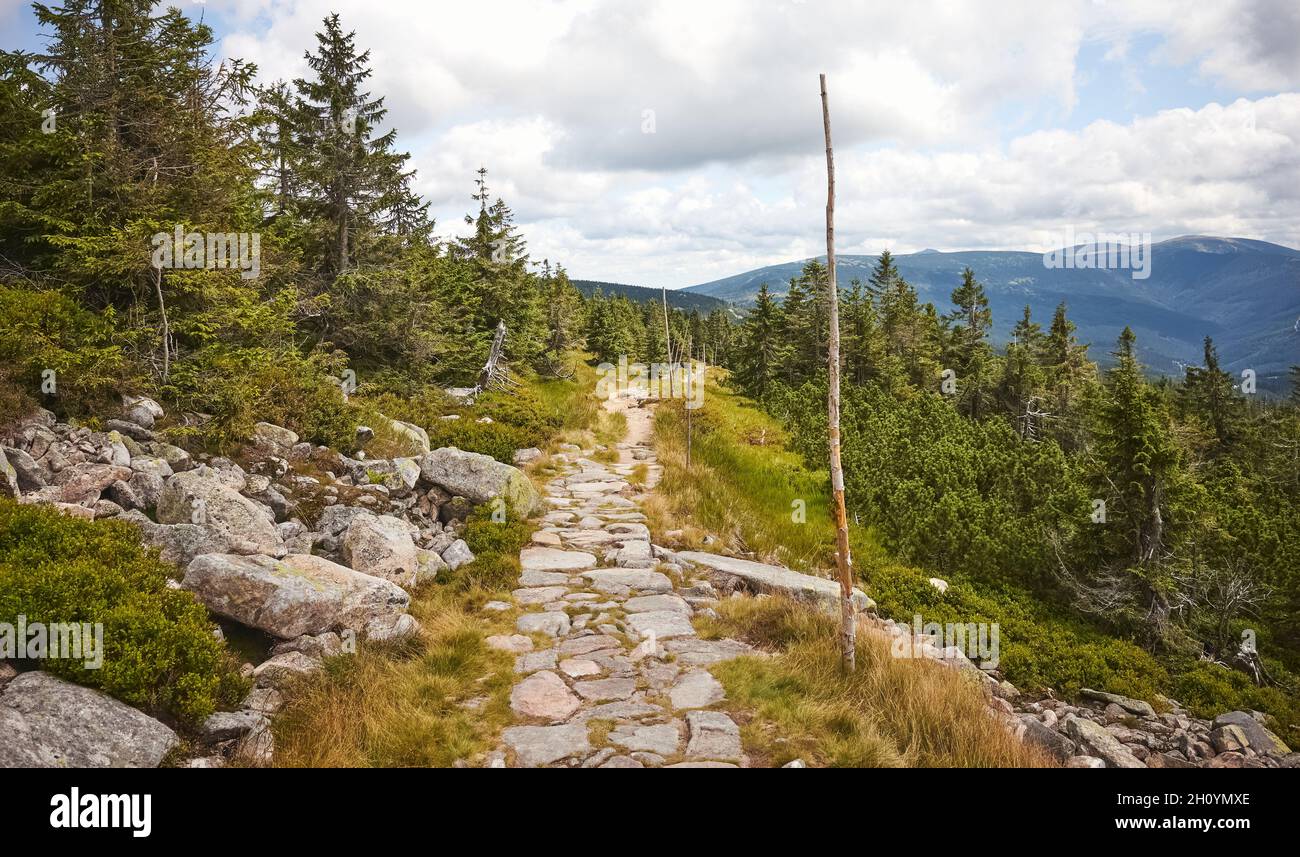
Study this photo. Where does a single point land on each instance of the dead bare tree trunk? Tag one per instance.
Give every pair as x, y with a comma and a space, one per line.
492, 371
848, 636
166, 328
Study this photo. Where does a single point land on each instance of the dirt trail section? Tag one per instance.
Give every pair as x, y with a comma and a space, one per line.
611, 672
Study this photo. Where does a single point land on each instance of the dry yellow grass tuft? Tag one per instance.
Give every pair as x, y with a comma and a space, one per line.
430, 703
890, 712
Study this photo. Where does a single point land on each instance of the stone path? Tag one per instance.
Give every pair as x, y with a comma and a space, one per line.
611, 672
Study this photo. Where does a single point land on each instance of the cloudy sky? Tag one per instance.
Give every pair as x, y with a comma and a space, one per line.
671, 142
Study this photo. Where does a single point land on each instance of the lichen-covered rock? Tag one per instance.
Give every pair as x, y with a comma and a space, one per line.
480, 478
83, 483
381, 545
141, 410
51, 723
298, 595
457, 554
204, 498
272, 439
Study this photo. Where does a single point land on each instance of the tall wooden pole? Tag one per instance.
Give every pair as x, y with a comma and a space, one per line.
848, 641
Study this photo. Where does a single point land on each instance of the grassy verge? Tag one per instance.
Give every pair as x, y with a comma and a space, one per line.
746, 488
444, 697
799, 704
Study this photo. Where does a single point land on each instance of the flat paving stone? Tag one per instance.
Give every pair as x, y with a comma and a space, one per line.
554, 559
629, 710
663, 739
606, 689
534, 661
619, 579
538, 595
663, 624
647, 603
713, 735
543, 578
542, 745
588, 644
696, 689
553, 624
515, 643
579, 667
544, 695
695, 652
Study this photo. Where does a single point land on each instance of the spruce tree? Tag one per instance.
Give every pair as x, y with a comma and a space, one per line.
758, 356
354, 182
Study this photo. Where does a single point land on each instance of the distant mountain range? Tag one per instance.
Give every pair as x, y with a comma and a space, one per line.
677, 298
1244, 293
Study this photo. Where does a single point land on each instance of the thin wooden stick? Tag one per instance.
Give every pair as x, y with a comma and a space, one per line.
848, 636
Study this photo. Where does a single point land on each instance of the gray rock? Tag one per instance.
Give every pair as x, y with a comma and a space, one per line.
531, 662
392, 628
298, 595
714, 736
619, 580
417, 437
553, 624
661, 624
774, 579
526, 456
663, 739
545, 696
696, 689
398, 475
1132, 706
538, 595
204, 498
606, 689
147, 486
538, 559
534, 746
381, 545
1040, 735
1094, 740
50, 723
480, 478
141, 410
177, 544
227, 725
457, 554
134, 431
83, 483
695, 652
30, 475
280, 671
648, 603
273, 440
1258, 738
177, 459
543, 578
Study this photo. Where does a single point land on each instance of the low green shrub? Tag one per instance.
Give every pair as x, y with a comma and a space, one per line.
519, 419
160, 653
47, 330
496, 545
1207, 689
242, 386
